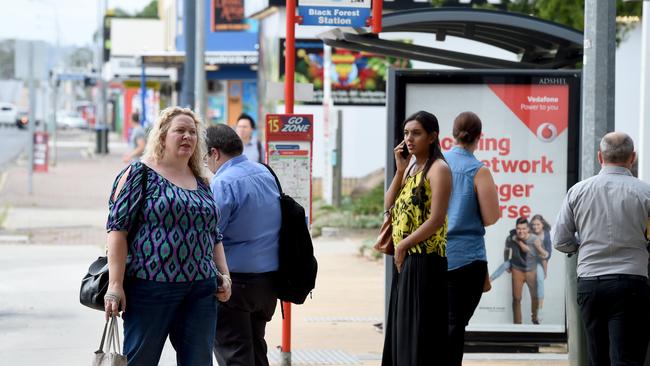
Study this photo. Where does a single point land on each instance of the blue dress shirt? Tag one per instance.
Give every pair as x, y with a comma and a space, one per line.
249, 217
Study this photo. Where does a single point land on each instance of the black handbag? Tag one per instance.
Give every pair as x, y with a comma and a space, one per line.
95, 283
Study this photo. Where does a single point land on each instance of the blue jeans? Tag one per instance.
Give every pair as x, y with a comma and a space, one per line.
499, 271
540, 281
184, 311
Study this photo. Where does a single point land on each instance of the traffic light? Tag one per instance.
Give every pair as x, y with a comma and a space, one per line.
107, 38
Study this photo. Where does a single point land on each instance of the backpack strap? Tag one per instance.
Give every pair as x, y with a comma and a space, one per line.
260, 158
277, 181
145, 177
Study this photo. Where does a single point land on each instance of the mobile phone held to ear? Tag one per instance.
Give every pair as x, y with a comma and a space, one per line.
405, 152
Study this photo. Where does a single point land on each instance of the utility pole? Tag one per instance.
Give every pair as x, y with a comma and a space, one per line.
101, 128
337, 157
32, 118
189, 31
597, 119
643, 145
199, 61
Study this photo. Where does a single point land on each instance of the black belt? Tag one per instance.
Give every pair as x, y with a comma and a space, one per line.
248, 276
614, 277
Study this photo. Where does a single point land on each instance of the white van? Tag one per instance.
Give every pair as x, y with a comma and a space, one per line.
8, 114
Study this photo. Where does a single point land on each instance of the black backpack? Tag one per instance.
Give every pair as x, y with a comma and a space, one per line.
298, 267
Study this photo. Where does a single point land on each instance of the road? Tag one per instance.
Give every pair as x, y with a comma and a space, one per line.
41, 320
12, 142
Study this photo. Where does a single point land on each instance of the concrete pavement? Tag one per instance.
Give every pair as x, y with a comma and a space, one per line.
61, 226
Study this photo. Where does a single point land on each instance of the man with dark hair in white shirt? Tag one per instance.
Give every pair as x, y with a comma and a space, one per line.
609, 212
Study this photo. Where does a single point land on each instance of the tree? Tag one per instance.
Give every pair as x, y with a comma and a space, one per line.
149, 11
7, 55
566, 12
80, 58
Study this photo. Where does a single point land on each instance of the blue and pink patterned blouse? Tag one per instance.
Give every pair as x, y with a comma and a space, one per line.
177, 227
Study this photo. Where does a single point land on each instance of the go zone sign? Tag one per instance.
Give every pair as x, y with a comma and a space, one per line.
290, 126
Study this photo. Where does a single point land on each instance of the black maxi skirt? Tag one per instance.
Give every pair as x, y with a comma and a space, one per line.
417, 324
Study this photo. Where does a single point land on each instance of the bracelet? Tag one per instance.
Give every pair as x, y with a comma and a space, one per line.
227, 277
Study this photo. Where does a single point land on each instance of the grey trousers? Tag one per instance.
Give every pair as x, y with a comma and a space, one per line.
241, 321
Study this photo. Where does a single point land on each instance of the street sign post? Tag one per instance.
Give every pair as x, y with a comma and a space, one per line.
349, 13
41, 153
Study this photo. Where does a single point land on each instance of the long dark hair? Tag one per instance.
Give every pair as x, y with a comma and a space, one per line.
545, 225
430, 124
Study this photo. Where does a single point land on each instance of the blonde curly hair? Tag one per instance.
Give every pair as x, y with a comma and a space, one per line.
155, 148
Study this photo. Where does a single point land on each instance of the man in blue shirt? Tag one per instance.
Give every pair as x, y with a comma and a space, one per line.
249, 219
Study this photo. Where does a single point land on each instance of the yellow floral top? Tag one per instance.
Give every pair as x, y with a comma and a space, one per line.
412, 208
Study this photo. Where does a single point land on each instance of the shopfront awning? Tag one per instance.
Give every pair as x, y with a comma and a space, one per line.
539, 44
177, 58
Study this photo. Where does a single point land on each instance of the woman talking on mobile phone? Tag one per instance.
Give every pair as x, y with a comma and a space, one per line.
416, 328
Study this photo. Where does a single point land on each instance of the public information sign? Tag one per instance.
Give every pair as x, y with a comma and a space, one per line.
289, 147
529, 144
41, 151
340, 13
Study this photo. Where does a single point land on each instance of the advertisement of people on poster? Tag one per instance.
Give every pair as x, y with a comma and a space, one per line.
289, 145
529, 144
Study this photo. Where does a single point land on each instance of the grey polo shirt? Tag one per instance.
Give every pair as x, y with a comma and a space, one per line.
609, 212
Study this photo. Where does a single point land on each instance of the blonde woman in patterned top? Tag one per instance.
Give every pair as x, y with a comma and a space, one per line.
165, 257
416, 328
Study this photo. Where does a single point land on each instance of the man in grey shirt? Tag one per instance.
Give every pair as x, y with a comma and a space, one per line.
609, 212
137, 140
526, 248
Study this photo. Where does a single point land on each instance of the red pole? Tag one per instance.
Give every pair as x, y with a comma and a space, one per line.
289, 76
377, 9
290, 57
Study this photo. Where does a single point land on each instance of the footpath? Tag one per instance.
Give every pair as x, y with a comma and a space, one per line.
64, 218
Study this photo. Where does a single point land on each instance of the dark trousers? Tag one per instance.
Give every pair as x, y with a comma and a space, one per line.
465, 285
186, 311
616, 315
416, 328
241, 321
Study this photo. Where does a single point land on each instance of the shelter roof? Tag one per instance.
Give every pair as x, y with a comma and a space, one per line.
539, 44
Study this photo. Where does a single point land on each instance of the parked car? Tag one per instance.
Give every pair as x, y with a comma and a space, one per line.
70, 119
8, 114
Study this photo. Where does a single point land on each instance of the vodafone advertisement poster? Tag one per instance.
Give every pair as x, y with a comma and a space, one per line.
529, 143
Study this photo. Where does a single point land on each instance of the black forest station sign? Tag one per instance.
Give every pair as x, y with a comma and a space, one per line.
346, 13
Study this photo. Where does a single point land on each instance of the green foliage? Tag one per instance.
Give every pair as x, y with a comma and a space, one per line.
567, 12
364, 212
149, 11
7, 59
371, 203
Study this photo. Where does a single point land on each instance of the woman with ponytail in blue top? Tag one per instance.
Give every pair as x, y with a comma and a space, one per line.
473, 205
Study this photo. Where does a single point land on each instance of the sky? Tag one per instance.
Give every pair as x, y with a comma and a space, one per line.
38, 19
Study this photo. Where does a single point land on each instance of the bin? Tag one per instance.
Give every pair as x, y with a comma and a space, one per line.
101, 146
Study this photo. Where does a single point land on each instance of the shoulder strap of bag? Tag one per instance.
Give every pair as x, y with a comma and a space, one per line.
260, 158
143, 181
277, 181
401, 186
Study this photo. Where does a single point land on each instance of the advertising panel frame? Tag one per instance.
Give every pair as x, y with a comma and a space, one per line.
400, 79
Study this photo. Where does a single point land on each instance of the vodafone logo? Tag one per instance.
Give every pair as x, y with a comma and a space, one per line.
546, 132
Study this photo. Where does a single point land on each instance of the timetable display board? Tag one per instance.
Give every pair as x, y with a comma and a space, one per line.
289, 152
